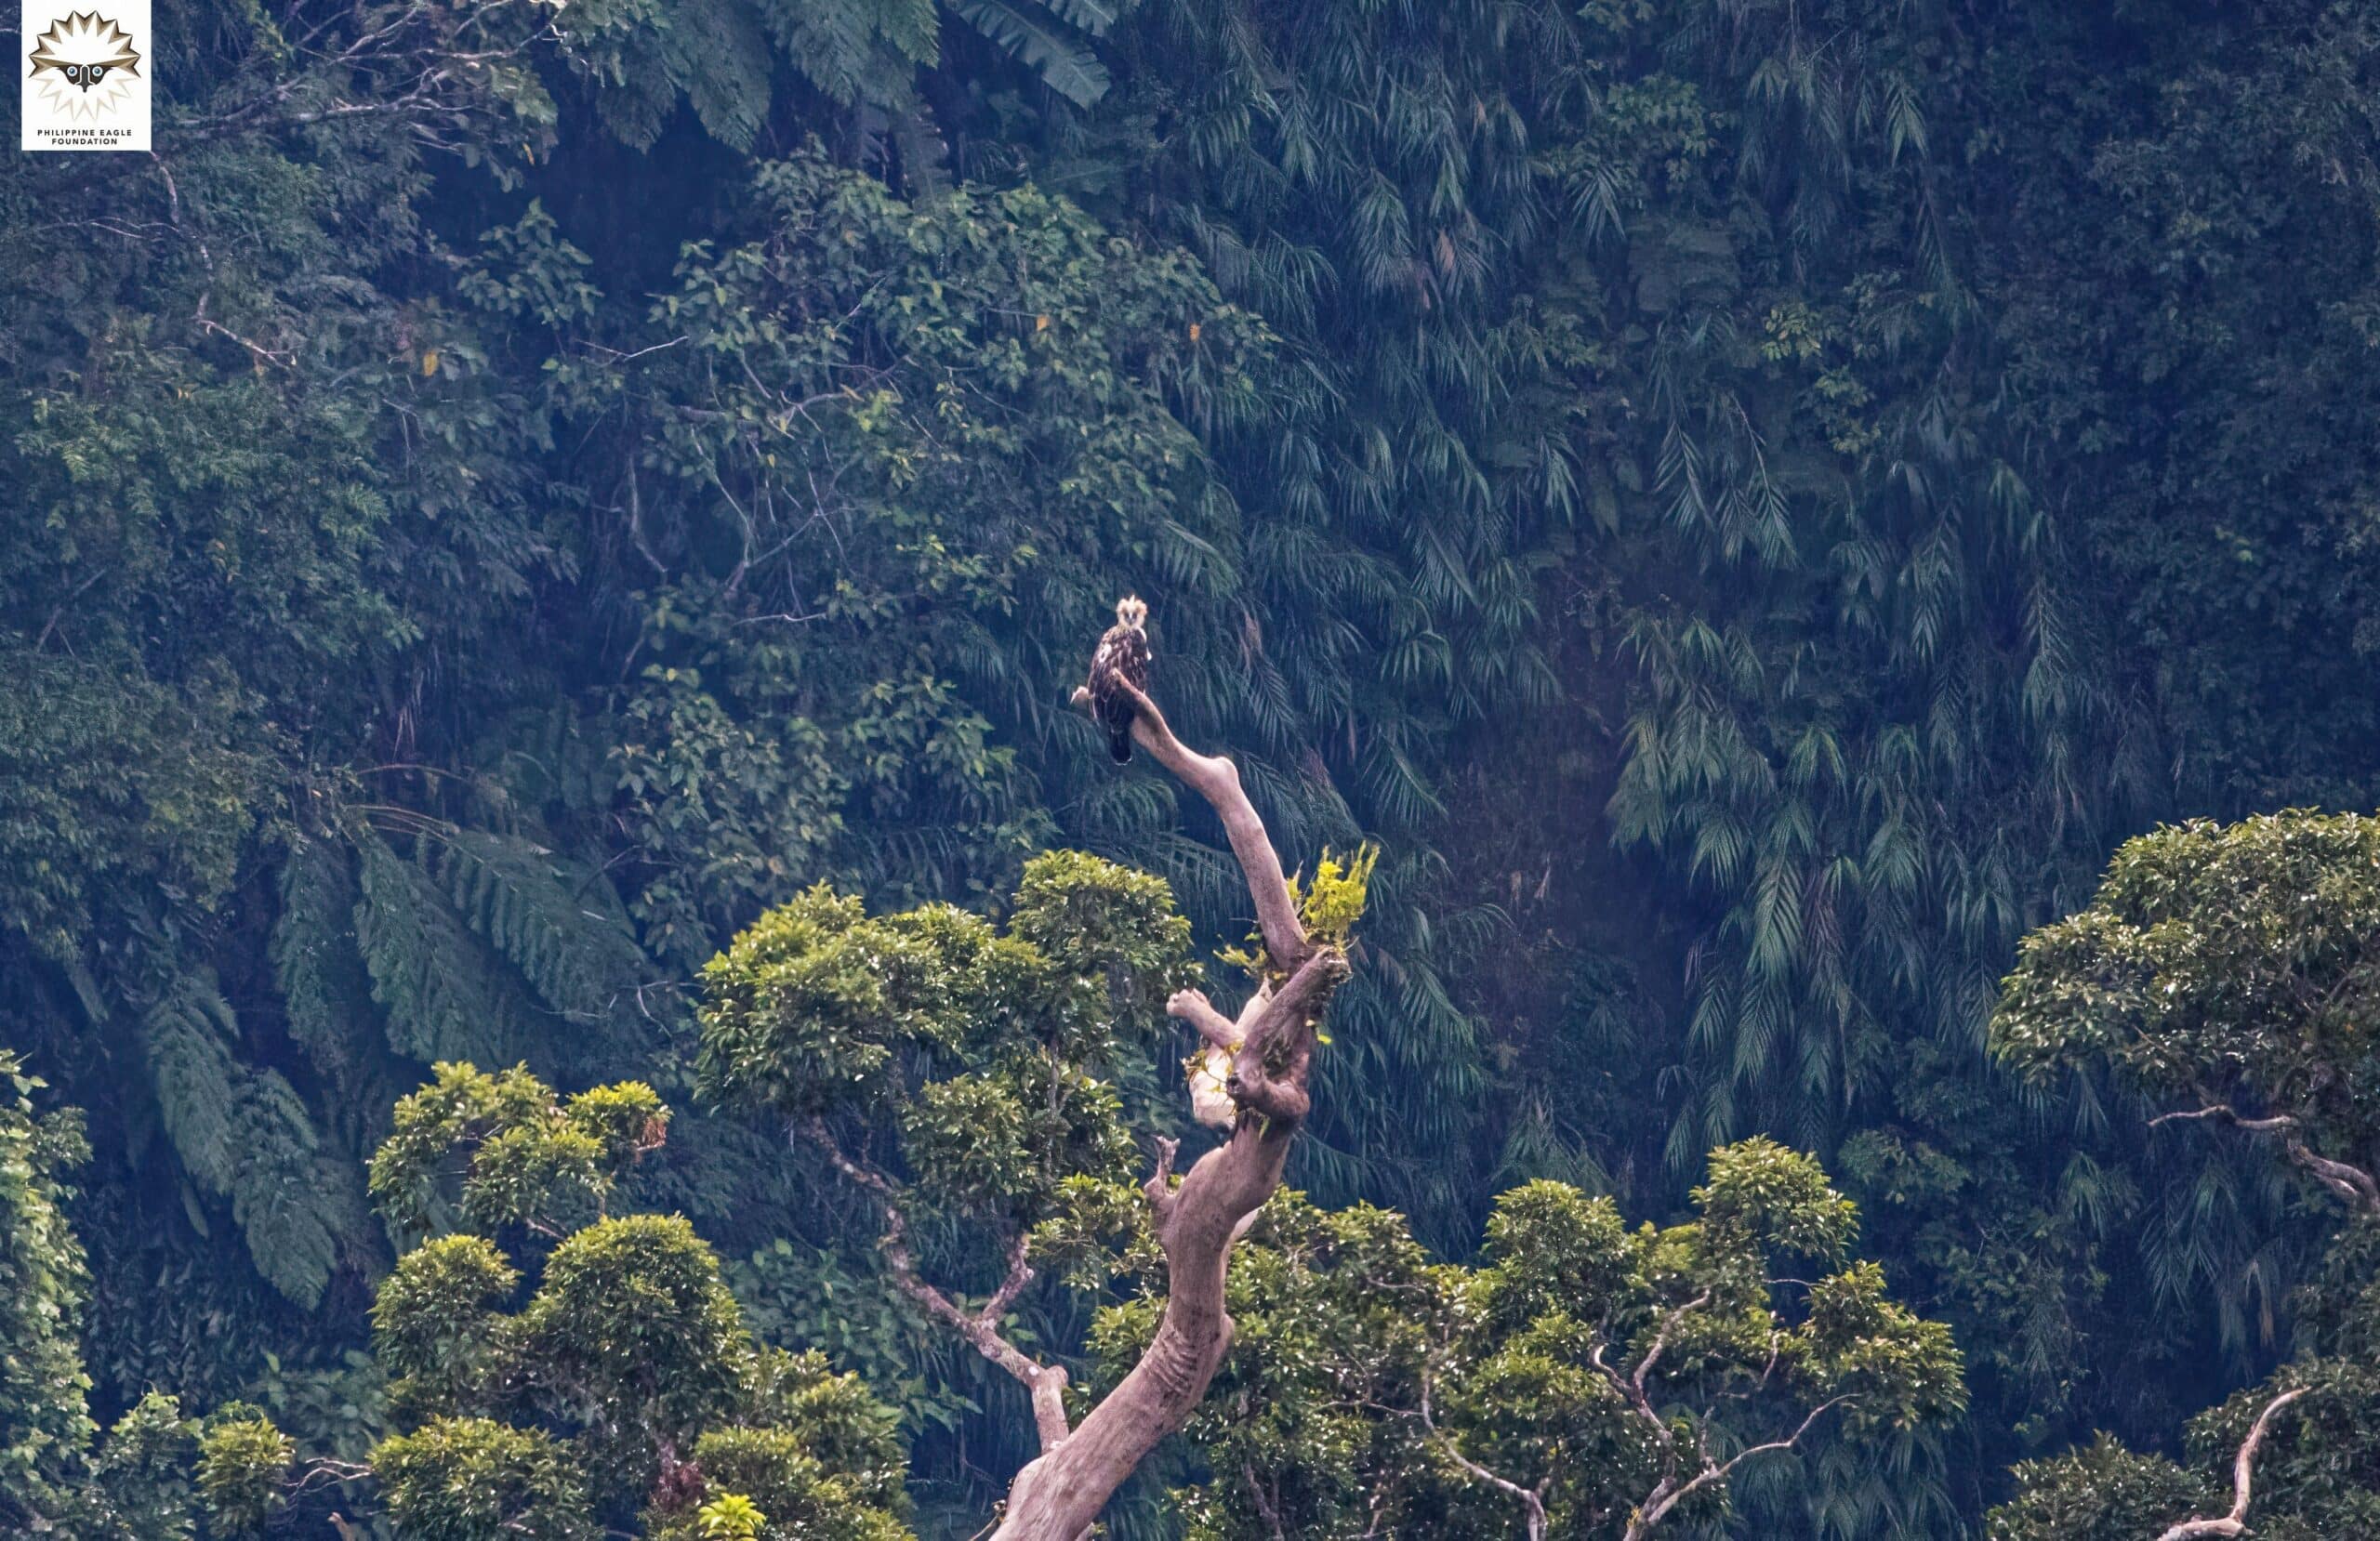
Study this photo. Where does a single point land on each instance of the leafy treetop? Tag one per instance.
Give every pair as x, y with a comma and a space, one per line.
2236, 968
948, 1068
947, 1063
1582, 1379
485, 1151
625, 1378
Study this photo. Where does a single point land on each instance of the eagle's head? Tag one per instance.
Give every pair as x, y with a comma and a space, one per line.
87, 51
1130, 612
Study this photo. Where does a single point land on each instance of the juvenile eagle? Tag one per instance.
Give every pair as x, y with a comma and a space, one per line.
1122, 658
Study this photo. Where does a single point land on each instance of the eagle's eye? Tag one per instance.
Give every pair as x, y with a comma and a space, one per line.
96, 71
73, 73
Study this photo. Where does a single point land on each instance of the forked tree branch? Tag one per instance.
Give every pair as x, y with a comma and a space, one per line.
1670, 1492
1046, 1384
1667, 1494
1661, 1341
1532, 1499
1058, 1495
2242, 1473
2351, 1184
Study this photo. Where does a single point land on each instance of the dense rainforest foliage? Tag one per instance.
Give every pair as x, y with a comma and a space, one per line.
1748, 503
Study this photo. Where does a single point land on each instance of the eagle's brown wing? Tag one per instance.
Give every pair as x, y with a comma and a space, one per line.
1122, 655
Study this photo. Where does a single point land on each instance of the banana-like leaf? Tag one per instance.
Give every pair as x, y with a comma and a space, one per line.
1067, 64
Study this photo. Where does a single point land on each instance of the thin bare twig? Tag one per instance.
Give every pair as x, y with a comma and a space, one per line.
2224, 1111
1532, 1500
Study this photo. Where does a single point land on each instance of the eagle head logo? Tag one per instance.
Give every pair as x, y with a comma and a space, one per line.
85, 64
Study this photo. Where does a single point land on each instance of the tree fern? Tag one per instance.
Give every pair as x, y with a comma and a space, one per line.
296, 1198
188, 1033
713, 54
323, 985
717, 54
447, 996
559, 924
855, 50
243, 1134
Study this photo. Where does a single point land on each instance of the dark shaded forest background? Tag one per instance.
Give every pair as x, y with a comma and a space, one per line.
1748, 500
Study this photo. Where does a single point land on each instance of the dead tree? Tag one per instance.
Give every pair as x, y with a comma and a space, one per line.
2244, 1471
1060, 1493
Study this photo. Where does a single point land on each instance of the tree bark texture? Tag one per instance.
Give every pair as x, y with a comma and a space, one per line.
1059, 1495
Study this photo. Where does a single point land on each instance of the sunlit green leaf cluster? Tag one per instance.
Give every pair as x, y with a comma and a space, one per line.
1365, 1373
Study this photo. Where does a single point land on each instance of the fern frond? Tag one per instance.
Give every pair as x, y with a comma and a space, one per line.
243, 1134
314, 958
718, 58
187, 1033
853, 49
447, 996
298, 1202
562, 925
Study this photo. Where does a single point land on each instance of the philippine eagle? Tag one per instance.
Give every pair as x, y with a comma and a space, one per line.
1121, 658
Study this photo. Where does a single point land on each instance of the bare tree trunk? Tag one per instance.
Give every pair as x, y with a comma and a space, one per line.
1059, 1495
2244, 1471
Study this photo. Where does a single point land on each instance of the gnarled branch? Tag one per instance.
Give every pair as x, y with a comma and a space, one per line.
1217, 780
2351, 1184
1192, 1007
1059, 1495
2242, 1473
1046, 1384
